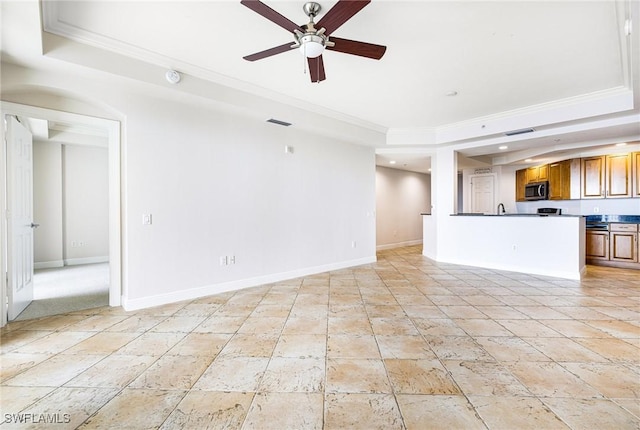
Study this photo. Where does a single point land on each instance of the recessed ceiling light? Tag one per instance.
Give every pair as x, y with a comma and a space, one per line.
503, 147
621, 144
392, 162
528, 160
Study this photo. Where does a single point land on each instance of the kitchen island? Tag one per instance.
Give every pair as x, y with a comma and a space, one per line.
530, 243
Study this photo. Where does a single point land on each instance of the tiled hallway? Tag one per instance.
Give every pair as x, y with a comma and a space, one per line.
403, 343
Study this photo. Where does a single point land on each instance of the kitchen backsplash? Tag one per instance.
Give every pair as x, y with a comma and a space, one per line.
584, 206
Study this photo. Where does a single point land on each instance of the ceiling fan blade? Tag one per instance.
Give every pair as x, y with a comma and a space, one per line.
273, 16
354, 47
316, 69
340, 13
269, 52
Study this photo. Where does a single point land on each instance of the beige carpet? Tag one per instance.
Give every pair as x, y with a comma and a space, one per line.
62, 305
68, 289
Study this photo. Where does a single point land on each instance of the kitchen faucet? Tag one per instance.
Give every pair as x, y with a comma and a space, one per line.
498, 210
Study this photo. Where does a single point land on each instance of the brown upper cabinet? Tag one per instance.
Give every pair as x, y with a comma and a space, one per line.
560, 180
607, 176
521, 181
593, 177
538, 173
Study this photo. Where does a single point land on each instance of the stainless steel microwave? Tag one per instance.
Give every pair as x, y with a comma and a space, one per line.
537, 191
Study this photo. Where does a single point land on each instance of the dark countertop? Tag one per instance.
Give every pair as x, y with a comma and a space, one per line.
514, 215
633, 219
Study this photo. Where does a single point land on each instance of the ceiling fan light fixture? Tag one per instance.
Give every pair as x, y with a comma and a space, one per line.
311, 45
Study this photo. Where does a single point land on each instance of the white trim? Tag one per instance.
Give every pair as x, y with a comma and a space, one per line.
398, 245
86, 260
115, 246
3, 225
207, 290
48, 264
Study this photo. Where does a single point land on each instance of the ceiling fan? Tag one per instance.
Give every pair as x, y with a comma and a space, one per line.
312, 39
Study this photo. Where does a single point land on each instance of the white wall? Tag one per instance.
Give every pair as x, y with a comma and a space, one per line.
47, 204
400, 199
221, 184
86, 204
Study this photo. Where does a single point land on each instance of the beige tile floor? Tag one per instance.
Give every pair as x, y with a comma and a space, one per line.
403, 343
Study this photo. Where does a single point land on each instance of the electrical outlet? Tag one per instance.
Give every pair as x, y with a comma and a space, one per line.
146, 219
223, 260
232, 259
596, 209
353, 244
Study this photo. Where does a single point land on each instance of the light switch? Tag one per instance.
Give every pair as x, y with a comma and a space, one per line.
146, 219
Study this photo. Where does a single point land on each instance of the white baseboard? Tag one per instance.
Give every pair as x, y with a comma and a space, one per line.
398, 245
86, 260
564, 274
208, 290
48, 264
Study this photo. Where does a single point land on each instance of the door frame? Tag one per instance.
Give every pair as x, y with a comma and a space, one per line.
115, 245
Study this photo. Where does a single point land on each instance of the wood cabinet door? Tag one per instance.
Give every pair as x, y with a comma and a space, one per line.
560, 180
624, 246
618, 168
521, 181
636, 174
543, 172
538, 173
593, 177
555, 181
597, 247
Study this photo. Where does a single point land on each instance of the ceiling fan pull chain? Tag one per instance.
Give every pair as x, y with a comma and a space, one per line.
304, 62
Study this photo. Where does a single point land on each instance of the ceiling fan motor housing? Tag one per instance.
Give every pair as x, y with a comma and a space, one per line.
311, 9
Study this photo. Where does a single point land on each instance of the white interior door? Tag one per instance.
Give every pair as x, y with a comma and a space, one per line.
482, 194
20, 222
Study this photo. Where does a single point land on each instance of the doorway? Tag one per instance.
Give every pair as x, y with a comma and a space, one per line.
71, 208
111, 130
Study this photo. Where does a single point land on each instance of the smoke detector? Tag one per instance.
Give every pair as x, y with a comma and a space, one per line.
172, 76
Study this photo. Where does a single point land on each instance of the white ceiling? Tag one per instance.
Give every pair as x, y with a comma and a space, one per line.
561, 67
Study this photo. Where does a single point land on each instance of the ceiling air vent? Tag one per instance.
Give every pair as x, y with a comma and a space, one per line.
521, 131
277, 121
